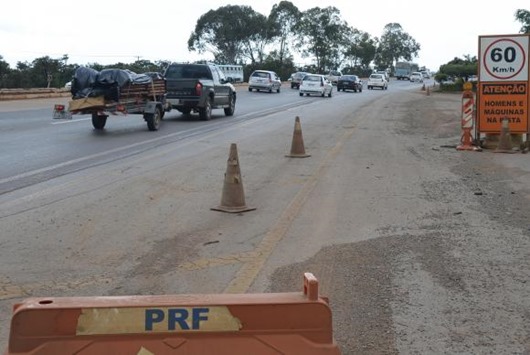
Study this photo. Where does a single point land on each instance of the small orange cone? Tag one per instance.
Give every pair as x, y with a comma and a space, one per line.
297, 145
466, 142
423, 87
505, 139
233, 197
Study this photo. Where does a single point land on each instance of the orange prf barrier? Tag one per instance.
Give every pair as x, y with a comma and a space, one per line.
221, 324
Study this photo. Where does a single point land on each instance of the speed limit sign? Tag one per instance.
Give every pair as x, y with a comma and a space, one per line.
504, 58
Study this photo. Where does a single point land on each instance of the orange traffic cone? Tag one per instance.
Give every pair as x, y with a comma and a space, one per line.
297, 145
505, 139
466, 141
423, 87
233, 197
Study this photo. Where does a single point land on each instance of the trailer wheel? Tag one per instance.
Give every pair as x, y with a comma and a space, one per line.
229, 111
98, 121
153, 119
205, 113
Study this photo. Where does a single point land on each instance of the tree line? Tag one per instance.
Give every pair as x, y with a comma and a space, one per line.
236, 34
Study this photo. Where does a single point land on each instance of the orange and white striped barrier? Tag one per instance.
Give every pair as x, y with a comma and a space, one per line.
468, 109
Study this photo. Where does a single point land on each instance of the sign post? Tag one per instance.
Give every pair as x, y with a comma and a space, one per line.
503, 92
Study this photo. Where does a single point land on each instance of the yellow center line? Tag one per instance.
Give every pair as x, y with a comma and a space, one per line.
249, 270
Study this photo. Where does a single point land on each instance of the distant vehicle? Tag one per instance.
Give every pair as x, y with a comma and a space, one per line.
377, 81
385, 73
316, 84
416, 77
472, 78
448, 81
333, 76
296, 79
350, 82
404, 69
232, 72
426, 74
265, 80
68, 85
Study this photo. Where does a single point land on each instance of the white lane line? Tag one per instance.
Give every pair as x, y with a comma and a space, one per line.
63, 121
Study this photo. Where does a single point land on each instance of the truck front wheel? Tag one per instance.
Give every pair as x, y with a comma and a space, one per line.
98, 121
153, 119
205, 113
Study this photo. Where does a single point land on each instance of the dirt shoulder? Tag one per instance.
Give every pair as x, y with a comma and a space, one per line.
444, 264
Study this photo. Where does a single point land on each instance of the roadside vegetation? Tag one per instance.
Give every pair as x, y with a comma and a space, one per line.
269, 42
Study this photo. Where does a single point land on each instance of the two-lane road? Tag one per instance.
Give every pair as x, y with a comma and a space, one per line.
36, 148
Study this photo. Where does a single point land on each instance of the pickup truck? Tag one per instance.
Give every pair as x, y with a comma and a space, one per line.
199, 88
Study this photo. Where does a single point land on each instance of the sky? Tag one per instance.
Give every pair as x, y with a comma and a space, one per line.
112, 31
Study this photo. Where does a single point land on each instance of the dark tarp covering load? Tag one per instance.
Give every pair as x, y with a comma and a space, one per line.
88, 82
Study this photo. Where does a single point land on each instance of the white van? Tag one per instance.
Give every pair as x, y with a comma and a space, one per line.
232, 72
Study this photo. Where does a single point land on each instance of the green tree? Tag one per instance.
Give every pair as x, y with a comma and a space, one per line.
5, 71
284, 17
395, 45
458, 68
44, 72
232, 34
20, 77
322, 33
260, 32
284, 67
142, 66
523, 16
361, 48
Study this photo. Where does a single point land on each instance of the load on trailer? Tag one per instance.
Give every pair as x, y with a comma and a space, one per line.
116, 92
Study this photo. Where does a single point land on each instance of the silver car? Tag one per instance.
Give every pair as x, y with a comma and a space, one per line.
315, 84
377, 81
265, 80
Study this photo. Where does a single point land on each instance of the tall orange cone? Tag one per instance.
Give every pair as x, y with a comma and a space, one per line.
297, 145
505, 139
233, 197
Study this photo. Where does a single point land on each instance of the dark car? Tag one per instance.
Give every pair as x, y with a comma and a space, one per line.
350, 82
296, 79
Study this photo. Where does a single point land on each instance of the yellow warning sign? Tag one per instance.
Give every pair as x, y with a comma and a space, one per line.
499, 101
94, 321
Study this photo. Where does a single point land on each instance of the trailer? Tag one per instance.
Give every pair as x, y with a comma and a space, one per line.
123, 94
